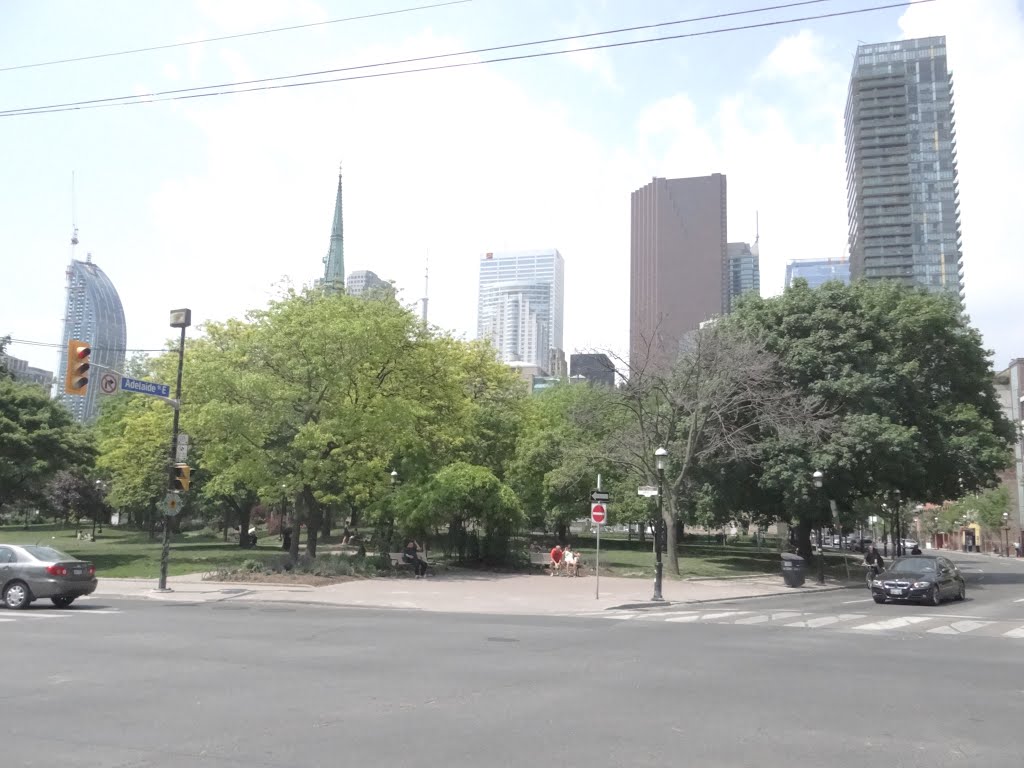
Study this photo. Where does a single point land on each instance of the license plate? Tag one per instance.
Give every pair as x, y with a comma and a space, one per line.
76, 571
895, 591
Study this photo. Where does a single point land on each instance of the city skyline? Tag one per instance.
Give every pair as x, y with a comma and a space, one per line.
222, 211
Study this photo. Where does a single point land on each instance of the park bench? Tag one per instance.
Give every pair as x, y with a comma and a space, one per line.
400, 565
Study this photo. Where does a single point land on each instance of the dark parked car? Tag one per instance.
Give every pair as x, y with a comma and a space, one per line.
926, 578
29, 573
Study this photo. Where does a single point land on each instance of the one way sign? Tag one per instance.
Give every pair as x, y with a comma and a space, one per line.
596, 496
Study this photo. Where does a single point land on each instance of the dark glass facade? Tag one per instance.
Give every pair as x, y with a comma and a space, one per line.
901, 166
818, 271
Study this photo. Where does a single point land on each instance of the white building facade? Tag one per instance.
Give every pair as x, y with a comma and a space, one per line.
520, 307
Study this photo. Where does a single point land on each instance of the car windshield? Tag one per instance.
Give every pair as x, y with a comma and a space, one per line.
47, 554
913, 565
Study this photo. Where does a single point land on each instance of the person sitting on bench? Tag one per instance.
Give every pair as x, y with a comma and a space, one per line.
572, 561
556, 559
410, 555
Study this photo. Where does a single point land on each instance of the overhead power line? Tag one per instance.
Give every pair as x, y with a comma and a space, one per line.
231, 37
417, 59
50, 344
232, 88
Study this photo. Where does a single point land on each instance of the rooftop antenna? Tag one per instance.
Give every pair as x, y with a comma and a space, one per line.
74, 217
757, 233
426, 286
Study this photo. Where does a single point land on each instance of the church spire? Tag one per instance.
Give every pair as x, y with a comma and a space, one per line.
334, 261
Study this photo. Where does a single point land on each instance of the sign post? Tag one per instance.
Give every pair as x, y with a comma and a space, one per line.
598, 514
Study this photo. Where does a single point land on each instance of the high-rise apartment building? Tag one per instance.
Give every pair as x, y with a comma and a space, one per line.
93, 314
744, 272
520, 305
333, 280
818, 271
901, 166
678, 263
22, 371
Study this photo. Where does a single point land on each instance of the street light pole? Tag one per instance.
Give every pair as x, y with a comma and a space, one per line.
180, 318
659, 461
818, 478
1006, 531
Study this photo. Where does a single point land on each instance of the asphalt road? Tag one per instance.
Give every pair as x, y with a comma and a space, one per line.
124, 684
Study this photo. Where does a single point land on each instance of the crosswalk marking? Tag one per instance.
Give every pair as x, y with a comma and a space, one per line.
897, 623
38, 615
1019, 632
959, 627
758, 619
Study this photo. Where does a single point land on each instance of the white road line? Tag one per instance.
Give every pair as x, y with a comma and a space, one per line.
785, 615
758, 619
684, 617
41, 615
1015, 633
1019, 601
851, 602
897, 623
959, 627
722, 615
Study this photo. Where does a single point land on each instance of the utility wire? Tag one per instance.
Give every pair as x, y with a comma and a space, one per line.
231, 37
50, 344
394, 62
169, 96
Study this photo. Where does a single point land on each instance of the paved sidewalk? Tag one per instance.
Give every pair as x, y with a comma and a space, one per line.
465, 592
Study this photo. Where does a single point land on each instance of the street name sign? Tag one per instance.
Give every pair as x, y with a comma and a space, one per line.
145, 387
599, 495
647, 490
598, 513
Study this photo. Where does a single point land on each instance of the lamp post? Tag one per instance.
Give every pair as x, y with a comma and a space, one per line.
818, 478
936, 532
659, 462
100, 487
1006, 531
180, 318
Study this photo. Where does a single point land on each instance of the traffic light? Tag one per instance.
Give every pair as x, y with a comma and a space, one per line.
76, 377
182, 475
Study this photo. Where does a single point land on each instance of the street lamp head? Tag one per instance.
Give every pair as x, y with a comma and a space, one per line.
659, 458
394, 475
818, 477
181, 318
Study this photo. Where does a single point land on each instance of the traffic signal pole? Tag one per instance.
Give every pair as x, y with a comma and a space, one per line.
165, 552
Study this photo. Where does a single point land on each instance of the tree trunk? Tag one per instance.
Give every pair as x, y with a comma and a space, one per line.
313, 517
353, 520
670, 536
296, 521
803, 540
641, 532
562, 530
152, 523
244, 515
224, 522
326, 522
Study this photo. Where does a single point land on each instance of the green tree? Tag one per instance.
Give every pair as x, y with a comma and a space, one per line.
38, 438
907, 384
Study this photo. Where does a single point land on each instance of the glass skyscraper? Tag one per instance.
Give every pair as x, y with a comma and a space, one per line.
93, 314
521, 304
901, 166
818, 271
744, 272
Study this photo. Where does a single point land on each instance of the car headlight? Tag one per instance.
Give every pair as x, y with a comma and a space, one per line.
922, 584
876, 582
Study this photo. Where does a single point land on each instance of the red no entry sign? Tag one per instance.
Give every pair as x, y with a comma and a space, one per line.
598, 513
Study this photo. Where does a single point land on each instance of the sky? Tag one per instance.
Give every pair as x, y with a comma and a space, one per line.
216, 203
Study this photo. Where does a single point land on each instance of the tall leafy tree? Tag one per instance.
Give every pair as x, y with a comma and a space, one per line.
38, 438
907, 382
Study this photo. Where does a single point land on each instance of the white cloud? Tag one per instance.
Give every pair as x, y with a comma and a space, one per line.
795, 56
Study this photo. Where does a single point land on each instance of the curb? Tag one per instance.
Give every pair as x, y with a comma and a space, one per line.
791, 591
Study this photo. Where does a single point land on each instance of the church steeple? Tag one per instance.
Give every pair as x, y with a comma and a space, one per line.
334, 261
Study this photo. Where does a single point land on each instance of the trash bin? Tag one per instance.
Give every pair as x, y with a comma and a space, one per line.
792, 570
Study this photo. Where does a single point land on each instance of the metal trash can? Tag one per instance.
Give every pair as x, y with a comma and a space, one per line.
793, 570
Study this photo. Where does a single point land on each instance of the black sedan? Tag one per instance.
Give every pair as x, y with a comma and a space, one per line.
924, 578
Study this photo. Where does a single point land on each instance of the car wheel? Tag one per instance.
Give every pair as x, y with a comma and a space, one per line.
879, 599
62, 602
16, 595
962, 592
934, 596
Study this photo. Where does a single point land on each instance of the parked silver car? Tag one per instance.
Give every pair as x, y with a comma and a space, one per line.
29, 573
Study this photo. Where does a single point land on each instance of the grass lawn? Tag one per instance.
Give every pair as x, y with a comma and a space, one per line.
130, 554
622, 558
